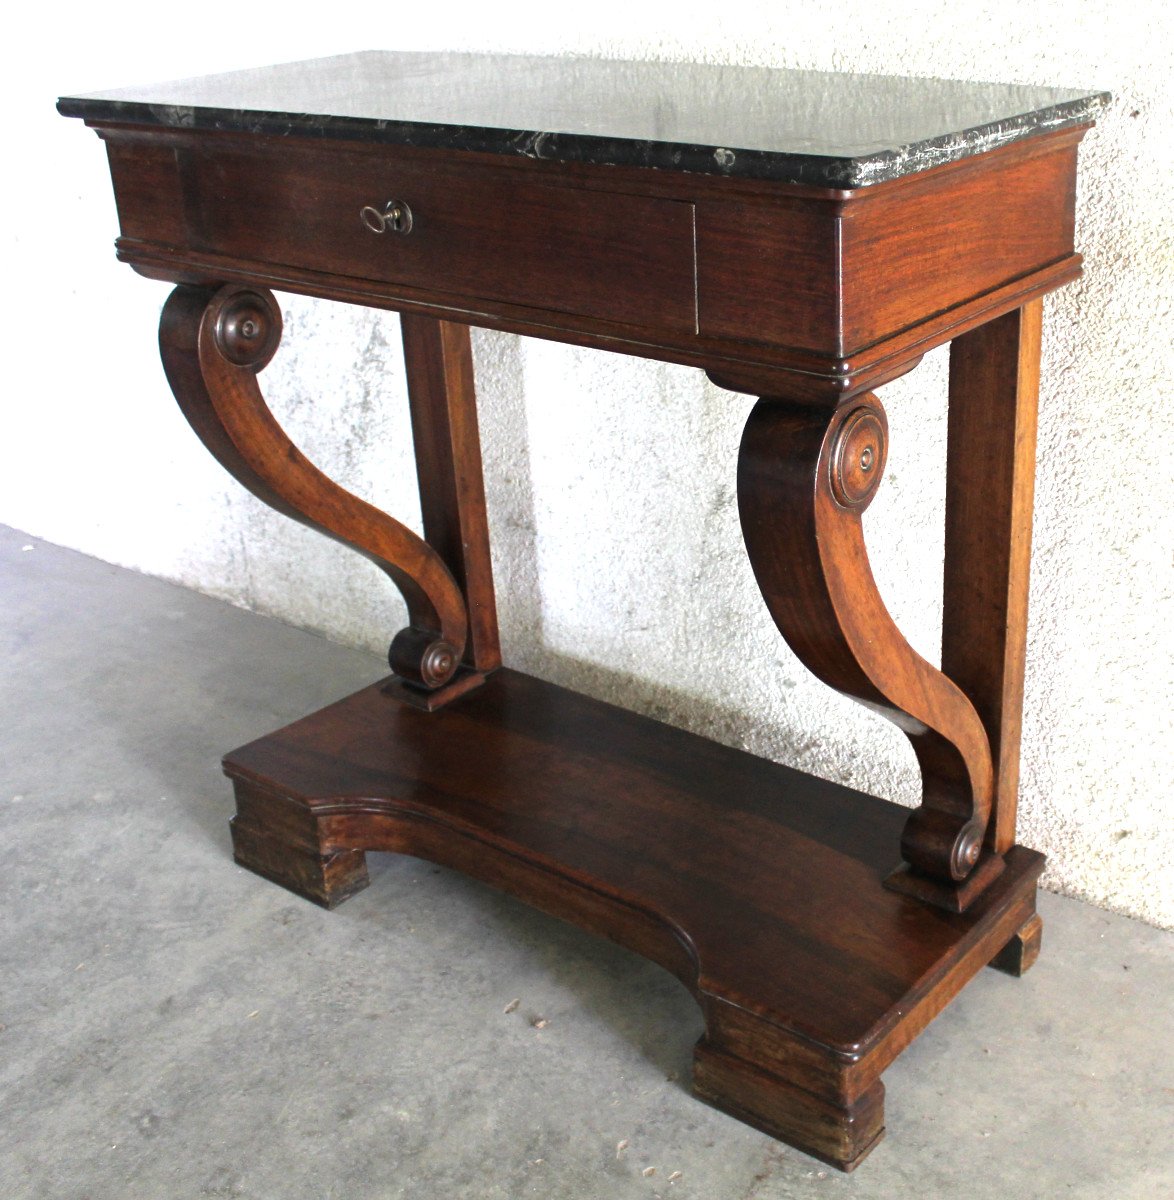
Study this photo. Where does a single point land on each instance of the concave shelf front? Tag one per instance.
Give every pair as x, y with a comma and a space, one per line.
760, 887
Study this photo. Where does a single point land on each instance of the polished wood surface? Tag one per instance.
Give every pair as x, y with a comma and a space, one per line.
213, 343
779, 280
475, 229
885, 258
820, 929
760, 887
990, 476
804, 478
443, 402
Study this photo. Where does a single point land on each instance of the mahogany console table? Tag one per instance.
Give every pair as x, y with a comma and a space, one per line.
801, 237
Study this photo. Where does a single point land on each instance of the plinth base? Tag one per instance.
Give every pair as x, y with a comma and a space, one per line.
760, 887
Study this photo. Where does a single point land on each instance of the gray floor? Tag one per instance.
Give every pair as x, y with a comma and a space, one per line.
172, 1026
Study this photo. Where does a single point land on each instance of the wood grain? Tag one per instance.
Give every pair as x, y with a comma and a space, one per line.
491, 233
439, 366
917, 250
990, 476
838, 291
760, 887
213, 343
804, 478
767, 892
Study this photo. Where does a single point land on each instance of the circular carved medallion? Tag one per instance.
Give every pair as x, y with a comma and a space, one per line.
858, 456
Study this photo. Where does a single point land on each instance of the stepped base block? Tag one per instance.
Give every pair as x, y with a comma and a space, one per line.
761, 888
1018, 956
327, 879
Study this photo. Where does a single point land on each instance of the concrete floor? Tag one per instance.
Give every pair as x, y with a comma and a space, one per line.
172, 1026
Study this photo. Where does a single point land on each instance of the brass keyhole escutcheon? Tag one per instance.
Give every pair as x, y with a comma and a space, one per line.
394, 217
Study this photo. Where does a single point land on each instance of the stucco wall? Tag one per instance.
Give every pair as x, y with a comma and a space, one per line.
619, 561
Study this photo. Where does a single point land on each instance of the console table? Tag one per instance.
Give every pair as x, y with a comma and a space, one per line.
801, 237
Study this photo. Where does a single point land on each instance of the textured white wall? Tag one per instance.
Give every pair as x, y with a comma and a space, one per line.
587, 452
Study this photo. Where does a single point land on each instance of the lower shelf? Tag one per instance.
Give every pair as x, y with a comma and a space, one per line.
758, 886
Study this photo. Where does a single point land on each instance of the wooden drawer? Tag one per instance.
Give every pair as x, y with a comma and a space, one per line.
830, 287
477, 233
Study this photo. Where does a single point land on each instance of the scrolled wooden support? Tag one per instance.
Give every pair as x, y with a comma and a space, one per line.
422, 657
214, 342
806, 473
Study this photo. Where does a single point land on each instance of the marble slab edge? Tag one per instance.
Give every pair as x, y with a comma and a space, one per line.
880, 166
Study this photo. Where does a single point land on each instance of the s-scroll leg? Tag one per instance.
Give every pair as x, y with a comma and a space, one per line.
214, 342
806, 473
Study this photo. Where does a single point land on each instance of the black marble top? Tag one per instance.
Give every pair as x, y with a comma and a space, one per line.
814, 127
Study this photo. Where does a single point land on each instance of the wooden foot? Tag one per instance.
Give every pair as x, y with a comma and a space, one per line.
272, 836
837, 1132
1018, 956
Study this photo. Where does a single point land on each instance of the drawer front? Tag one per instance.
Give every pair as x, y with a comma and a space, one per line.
476, 233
